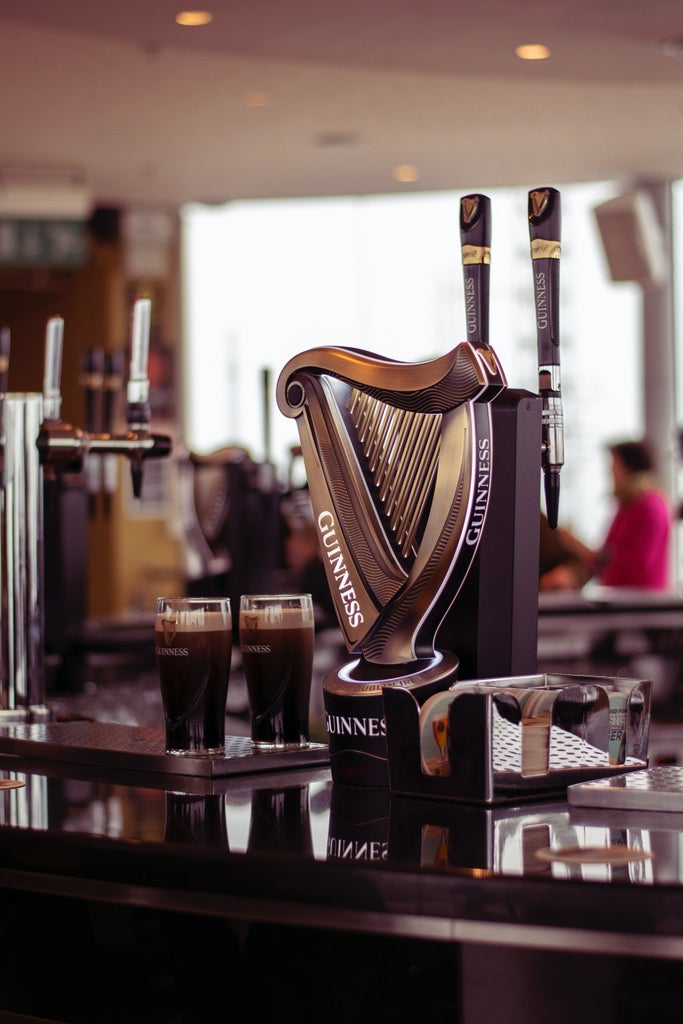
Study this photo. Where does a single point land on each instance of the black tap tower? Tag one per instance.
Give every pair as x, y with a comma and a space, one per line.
493, 623
425, 484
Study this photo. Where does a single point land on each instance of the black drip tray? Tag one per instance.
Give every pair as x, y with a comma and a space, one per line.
142, 749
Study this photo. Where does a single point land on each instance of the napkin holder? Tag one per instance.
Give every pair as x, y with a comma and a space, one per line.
489, 741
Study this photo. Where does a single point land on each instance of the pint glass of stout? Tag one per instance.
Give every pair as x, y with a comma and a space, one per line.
193, 644
276, 643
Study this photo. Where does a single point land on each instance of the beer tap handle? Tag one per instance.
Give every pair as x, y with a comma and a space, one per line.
113, 384
475, 239
544, 233
91, 380
52, 395
53, 429
138, 409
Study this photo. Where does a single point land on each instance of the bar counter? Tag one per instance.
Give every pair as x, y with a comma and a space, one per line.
572, 621
322, 875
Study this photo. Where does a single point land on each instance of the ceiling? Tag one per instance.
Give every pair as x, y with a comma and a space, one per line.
149, 114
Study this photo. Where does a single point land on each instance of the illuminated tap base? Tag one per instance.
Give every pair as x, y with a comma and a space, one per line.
354, 712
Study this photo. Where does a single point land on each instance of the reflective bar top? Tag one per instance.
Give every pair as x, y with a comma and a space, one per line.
291, 846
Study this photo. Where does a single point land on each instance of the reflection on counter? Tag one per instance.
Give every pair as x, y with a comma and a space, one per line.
358, 823
25, 806
532, 840
280, 821
288, 817
201, 820
307, 816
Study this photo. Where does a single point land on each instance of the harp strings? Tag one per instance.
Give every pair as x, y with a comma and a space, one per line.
402, 454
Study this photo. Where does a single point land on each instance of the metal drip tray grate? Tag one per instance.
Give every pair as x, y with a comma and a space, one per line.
142, 749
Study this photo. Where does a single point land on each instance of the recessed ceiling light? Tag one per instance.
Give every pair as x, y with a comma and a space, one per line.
328, 140
192, 18
532, 51
673, 48
406, 173
256, 99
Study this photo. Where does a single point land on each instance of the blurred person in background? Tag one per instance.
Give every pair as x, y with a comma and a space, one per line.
635, 552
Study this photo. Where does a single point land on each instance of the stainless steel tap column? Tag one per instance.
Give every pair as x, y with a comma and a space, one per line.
34, 441
22, 613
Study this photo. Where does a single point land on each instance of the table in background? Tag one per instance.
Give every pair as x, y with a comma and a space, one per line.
611, 630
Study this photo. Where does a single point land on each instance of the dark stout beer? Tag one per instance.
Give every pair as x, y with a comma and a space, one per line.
277, 656
194, 670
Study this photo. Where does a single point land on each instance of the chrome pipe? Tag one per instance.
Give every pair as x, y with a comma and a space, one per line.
22, 694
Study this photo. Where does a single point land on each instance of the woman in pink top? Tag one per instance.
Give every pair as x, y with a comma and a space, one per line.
636, 548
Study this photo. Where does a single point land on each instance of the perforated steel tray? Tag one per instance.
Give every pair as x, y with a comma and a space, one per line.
142, 749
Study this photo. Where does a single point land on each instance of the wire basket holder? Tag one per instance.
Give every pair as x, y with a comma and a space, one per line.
516, 738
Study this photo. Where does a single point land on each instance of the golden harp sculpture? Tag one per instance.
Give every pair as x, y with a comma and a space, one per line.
398, 460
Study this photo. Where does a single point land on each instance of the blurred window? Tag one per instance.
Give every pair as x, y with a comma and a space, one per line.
264, 280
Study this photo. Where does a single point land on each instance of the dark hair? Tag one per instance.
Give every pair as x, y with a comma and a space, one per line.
635, 455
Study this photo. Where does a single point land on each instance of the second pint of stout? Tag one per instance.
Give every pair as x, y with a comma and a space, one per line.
193, 645
276, 643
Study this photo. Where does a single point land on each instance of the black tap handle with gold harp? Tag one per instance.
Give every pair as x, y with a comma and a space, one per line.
475, 239
544, 232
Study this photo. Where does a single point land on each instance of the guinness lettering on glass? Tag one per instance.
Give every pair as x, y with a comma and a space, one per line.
276, 642
193, 644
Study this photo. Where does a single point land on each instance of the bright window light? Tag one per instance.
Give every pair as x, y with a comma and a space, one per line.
265, 280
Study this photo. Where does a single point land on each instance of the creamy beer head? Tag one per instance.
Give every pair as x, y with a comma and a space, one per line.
277, 611
168, 624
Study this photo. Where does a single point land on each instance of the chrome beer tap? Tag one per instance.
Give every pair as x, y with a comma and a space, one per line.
22, 664
137, 393
114, 369
52, 393
5, 339
36, 445
64, 447
92, 382
52, 372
